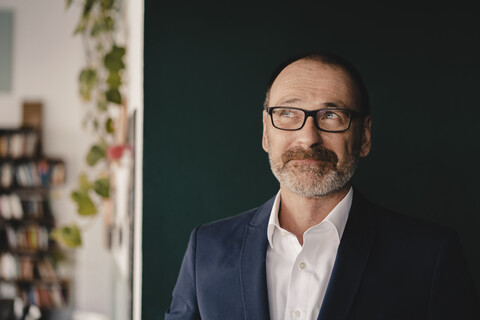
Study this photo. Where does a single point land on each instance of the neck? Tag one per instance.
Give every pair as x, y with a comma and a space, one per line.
297, 213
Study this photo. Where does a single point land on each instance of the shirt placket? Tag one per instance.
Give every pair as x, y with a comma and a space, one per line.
299, 285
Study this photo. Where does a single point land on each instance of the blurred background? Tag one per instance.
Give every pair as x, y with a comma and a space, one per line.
41, 60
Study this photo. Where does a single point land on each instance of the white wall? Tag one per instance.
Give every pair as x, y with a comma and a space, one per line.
47, 59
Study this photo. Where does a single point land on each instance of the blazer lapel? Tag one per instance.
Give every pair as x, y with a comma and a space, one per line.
252, 265
351, 260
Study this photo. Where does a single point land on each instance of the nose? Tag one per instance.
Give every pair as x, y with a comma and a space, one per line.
309, 136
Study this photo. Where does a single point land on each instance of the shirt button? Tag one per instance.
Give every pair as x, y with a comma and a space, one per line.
302, 265
295, 314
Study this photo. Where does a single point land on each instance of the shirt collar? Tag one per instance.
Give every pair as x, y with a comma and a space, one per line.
338, 216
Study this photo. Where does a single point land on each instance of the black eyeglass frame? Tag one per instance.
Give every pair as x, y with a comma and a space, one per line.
313, 114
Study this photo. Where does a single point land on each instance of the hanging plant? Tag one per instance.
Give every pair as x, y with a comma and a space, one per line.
100, 87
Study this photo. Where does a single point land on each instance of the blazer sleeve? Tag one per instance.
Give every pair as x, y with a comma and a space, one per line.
184, 298
452, 294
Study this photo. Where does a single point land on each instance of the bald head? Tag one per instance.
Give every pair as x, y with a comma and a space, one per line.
335, 62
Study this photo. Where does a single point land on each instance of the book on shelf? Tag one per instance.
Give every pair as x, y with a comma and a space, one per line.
8, 290
11, 237
27, 238
34, 280
24, 205
44, 296
26, 266
3, 145
45, 270
25, 269
33, 206
15, 206
32, 237
8, 266
11, 206
6, 175
19, 143
41, 173
58, 174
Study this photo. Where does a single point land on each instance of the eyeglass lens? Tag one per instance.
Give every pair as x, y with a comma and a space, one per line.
327, 119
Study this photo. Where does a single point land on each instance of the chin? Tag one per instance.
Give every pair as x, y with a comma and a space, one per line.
313, 180
312, 187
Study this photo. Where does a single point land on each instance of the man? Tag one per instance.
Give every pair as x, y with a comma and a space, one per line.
318, 249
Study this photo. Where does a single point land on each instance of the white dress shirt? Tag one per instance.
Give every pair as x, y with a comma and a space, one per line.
297, 276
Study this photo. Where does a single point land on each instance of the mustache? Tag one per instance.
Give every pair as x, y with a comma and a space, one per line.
317, 153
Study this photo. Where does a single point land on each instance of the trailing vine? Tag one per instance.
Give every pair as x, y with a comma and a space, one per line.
100, 87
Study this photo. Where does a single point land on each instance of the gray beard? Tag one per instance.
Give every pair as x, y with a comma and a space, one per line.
313, 181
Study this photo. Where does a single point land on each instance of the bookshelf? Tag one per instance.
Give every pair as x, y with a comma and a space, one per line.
27, 253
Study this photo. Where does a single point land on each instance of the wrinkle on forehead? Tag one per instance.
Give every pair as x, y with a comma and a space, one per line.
312, 82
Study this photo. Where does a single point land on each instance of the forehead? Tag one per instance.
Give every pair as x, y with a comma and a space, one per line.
312, 84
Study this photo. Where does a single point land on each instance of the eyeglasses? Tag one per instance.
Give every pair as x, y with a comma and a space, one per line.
329, 120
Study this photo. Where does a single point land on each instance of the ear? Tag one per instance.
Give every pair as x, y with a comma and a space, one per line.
366, 137
264, 135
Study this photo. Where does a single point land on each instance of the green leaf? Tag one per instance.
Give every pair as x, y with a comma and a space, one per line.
102, 187
102, 105
99, 47
87, 7
68, 3
96, 153
81, 26
107, 4
97, 28
58, 254
88, 79
101, 25
68, 235
83, 183
113, 95
114, 80
85, 205
109, 23
113, 60
109, 125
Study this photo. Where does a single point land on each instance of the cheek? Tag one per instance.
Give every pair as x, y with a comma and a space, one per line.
352, 139
342, 145
275, 142
356, 144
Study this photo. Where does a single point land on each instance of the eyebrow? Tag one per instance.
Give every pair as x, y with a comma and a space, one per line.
290, 100
295, 100
334, 105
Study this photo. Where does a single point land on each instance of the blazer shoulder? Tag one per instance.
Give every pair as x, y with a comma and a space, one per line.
235, 225
410, 228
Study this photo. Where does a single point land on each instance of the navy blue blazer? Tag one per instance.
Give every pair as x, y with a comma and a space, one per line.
388, 267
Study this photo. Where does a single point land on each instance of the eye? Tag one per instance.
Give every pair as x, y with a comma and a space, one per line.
286, 114
331, 115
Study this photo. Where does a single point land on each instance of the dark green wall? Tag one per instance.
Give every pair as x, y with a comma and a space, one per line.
206, 64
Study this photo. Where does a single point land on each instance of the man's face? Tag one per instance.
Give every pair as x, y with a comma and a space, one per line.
310, 162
